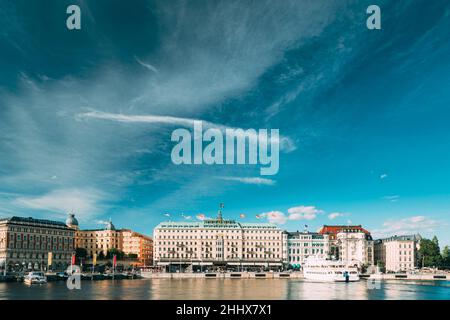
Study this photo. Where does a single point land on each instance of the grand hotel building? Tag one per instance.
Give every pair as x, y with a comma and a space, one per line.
220, 243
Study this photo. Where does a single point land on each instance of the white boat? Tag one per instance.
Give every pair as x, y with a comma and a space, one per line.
329, 270
35, 277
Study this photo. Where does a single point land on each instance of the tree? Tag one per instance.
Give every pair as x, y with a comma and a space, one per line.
429, 253
111, 252
101, 256
132, 256
80, 253
445, 257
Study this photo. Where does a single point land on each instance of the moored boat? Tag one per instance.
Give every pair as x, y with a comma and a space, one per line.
35, 277
330, 270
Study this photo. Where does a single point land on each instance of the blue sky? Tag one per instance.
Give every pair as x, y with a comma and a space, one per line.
365, 112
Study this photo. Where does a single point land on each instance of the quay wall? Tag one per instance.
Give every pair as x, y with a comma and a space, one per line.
231, 275
418, 277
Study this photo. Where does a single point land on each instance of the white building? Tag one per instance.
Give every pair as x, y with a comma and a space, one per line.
301, 245
355, 246
218, 243
397, 253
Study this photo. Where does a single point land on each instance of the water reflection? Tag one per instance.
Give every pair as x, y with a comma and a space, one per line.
218, 289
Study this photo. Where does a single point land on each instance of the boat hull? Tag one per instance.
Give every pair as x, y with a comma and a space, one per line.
34, 281
331, 278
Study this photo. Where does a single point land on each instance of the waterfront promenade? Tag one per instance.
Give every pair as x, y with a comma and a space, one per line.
234, 275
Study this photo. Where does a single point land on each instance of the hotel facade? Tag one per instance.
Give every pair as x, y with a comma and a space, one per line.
397, 253
301, 245
28, 243
350, 243
219, 243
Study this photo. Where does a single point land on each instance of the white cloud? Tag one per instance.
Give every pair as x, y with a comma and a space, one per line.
294, 214
383, 176
285, 143
393, 198
276, 217
303, 213
335, 215
137, 118
410, 225
250, 180
146, 65
84, 203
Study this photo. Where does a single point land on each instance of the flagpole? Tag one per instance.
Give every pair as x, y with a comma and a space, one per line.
114, 265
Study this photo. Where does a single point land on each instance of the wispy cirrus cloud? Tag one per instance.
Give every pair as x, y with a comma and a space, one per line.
392, 198
410, 225
335, 215
251, 180
85, 203
146, 65
286, 144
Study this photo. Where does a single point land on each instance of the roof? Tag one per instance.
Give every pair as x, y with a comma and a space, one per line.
29, 220
93, 230
411, 237
296, 234
334, 230
216, 224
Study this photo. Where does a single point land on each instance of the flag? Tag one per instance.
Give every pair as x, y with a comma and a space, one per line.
114, 261
50, 259
200, 216
94, 259
73, 261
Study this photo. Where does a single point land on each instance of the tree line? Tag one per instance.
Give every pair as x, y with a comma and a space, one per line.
120, 255
430, 254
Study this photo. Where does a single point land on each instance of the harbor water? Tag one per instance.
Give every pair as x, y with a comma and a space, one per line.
229, 289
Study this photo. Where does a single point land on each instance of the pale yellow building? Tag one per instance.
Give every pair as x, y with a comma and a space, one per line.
100, 241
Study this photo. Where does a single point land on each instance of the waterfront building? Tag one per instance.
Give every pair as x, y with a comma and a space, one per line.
219, 243
134, 243
301, 245
26, 243
354, 243
100, 241
356, 246
397, 253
